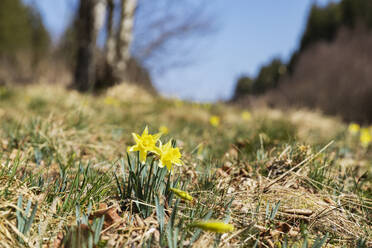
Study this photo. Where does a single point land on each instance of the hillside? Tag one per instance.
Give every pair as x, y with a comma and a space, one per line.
329, 71
333, 77
282, 179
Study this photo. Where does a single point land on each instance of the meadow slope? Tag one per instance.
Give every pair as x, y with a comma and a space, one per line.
282, 179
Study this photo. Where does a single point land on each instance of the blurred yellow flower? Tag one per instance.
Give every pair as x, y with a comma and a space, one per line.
109, 100
354, 128
214, 120
84, 103
365, 137
182, 194
168, 155
213, 226
163, 129
144, 143
200, 149
246, 115
178, 103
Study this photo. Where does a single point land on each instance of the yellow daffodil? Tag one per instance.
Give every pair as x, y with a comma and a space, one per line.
178, 103
163, 129
214, 121
109, 100
354, 128
365, 137
168, 155
144, 143
213, 226
182, 194
246, 115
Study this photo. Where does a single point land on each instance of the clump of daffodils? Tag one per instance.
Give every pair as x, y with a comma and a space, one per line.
149, 143
364, 133
166, 155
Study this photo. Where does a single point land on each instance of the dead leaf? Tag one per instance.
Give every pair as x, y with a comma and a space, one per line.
284, 227
328, 200
58, 241
110, 213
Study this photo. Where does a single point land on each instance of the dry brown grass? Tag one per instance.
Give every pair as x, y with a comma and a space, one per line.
252, 165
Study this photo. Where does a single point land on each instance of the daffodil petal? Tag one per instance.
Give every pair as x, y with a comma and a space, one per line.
157, 150
168, 145
157, 136
132, 148
145, 131
136, 137
169, 165
143, 155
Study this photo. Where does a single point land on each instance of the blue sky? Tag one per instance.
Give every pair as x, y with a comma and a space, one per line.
250, 34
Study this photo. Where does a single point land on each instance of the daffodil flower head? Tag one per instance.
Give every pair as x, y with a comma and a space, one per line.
246, 115
214, 121
213, 226
182, 194
163, 129
144, 143
353, 128
168, 155
109, 100
365, 137
178, 103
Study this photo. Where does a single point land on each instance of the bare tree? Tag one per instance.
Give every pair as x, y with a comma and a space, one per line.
117, 45
125, 34
166, 31
90, 20
110, 38
138, 38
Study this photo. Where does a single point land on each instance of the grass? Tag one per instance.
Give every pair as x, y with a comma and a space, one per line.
283, 179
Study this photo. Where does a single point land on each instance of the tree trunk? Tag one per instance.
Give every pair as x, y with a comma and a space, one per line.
110, 40
91, 17
108, 77
125, 36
